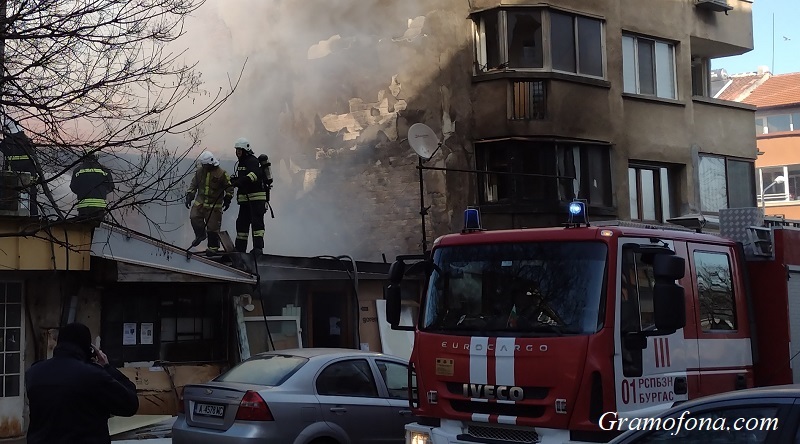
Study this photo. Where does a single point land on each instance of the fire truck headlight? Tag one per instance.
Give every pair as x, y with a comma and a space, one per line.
418, 438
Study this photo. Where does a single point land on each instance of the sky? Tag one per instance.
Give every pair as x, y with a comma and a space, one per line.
786, 15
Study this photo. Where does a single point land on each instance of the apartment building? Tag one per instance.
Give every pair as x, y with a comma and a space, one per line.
777, 98
610, 102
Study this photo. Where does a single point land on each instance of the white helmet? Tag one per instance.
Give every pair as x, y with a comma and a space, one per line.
242, 143
206, 158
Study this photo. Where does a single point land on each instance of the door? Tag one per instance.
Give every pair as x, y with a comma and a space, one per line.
329, 321
651, 370
723, 333
394, 377
350, 401
12, 345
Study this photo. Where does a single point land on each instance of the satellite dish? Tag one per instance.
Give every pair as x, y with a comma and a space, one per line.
423, 140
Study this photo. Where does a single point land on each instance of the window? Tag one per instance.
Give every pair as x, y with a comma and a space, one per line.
778, 123
515, 39
701, 77
725, 183
715, 291
648, 67
732, 425
270, 370
10, 342
527, 100
636, 305
651, 193
395, 376
585, 172
347, 378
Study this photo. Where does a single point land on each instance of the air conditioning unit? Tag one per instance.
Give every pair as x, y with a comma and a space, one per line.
714, 5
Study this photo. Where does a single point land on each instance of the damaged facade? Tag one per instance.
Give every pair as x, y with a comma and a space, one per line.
609, 102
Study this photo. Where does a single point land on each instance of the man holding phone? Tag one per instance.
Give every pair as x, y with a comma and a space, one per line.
73, 394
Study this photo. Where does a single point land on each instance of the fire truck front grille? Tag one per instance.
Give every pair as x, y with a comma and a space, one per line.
502, 434
493, 408
530, 392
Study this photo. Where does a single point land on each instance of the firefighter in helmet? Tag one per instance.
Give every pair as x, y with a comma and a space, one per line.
251, 197
212, 186
91, 183
20, 156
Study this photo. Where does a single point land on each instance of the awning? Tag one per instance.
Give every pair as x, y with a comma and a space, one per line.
126, 246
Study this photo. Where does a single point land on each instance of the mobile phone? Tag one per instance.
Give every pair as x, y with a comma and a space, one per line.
92, 353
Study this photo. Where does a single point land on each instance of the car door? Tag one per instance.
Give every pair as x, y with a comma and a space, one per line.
394, 385
350, 401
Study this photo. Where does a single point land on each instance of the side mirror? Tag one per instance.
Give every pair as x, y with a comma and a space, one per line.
393, 306
669, 298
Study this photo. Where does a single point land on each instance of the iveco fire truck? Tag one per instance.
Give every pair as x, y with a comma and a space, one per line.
530, 335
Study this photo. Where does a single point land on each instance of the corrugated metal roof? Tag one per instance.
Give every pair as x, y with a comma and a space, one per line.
120, 244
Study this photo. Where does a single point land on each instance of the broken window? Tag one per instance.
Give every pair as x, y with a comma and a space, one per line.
542, 171
514, 39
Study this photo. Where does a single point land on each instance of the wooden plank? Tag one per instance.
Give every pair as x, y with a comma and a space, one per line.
241, 330
138, 273
227, 243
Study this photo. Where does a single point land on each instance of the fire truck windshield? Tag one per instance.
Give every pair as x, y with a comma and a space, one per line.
519, 289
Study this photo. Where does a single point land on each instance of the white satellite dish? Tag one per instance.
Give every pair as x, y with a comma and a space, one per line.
423, 140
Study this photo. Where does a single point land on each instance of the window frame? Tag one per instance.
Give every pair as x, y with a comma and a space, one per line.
389, 395
672, 46
732, 296
331, 364
664, 188
762, 122
480, 53
727, 160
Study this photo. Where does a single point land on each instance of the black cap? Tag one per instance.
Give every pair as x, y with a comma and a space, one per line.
76, 333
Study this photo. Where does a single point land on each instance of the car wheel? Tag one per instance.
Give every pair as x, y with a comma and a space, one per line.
324, 441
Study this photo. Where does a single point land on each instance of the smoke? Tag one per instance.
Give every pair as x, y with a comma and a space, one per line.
326, 92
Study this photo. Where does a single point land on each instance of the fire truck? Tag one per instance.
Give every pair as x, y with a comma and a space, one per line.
531, 335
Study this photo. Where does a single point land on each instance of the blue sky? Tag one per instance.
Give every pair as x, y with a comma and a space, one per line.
787, 52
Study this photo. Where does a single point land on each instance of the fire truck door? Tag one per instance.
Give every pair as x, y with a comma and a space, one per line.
720, 314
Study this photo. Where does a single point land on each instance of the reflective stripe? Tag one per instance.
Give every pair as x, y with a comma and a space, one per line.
25, 157
92, 203
252, 176
213, 249
208, 185
258, 233
92, 170
241, 236
261, 195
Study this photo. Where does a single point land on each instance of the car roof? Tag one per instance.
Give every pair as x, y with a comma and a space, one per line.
330, 353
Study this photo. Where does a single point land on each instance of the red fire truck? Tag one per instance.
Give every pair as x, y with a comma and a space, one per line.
531, 335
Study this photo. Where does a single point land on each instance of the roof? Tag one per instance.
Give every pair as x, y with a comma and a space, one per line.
288, 268
739, 86
777, 90
123, 245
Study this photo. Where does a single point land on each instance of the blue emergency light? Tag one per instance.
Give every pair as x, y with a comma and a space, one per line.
472, 220
577, 213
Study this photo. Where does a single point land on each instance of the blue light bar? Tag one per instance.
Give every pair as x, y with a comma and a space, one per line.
577, 213
472, 219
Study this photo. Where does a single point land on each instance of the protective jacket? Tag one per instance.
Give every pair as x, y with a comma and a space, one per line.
72, 398
250, 180
19, 153
210, 188
91, 182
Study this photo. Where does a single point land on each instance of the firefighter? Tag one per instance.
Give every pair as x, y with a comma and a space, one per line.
251, 197
91, 183
20, 156
212, 186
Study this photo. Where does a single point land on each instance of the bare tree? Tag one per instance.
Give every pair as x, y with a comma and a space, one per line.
102, 77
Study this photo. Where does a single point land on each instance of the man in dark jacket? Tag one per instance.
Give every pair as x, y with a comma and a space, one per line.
251, 197
20, 154
91, 182
72, 395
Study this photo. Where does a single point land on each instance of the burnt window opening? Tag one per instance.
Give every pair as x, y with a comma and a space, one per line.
585, 171
515, 39
528, 100
11, 339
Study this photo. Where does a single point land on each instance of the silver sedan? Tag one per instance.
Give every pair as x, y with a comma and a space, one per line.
300, 396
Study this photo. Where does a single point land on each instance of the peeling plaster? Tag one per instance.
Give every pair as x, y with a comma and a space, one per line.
366, 119
414, 30
448, 125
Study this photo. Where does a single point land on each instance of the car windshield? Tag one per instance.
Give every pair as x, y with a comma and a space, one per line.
530, 289
271, 370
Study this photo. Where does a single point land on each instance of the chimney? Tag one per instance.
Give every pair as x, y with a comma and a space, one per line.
763, 69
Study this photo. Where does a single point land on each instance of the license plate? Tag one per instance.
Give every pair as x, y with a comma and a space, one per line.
209, 410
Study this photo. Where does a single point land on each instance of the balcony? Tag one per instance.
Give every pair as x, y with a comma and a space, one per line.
713, 5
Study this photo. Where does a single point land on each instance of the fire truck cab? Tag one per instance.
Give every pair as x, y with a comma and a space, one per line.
532, 335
